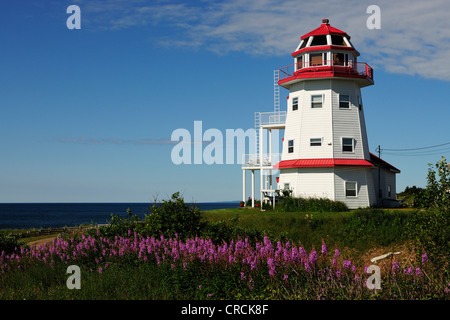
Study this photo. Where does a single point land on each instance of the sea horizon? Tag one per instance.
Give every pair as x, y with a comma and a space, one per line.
26, 215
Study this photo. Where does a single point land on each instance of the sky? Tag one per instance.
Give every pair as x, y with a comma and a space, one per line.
86, 115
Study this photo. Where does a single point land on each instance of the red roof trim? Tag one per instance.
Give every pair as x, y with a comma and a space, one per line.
323, 74
374, 159
325, 29
322, 48
314, 163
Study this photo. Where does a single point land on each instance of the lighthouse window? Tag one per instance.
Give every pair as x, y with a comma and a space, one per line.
340, 59
337, 41
304, 42
316, 59
299, 63
295, 104
350, 189
347, 144
290, 146
319, 41
316, 101
344, 101
315, 142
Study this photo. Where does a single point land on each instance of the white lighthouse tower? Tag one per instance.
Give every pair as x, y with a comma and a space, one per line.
325, 151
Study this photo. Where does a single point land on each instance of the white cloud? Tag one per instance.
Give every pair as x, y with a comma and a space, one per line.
414, 37
95, 141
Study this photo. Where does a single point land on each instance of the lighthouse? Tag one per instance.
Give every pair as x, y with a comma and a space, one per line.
325, 149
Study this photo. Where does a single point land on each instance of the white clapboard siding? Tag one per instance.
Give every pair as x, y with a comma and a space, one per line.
361, 176
309, 182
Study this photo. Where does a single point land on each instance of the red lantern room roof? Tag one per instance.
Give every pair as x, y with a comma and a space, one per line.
325, 29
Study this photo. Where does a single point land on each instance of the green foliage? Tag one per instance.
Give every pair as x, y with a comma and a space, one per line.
172, 217
9, 243
410, 195
219, 231
430, 227
436, 194
294, 204
374, 226
117, 226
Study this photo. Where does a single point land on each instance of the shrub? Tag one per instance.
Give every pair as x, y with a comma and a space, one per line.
172, 217
8, 243
298, 204
430, 227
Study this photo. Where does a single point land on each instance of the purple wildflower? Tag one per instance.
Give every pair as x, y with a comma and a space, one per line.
418, 272
324, 249
336, 253
424, 258
313, 257
395, 267
347, 264
408, 271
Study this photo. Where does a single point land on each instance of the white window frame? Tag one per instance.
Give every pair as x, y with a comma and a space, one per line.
353, 145
346, 61
349, 102
288, 146
315, 143
302, 63
356, 189
293, 104
286, 186
317, 95
389, 190
324, 59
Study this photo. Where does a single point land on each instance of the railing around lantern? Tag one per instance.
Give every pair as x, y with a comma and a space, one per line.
348, 67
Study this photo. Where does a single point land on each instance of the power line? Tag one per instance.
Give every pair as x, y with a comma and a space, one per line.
421, 148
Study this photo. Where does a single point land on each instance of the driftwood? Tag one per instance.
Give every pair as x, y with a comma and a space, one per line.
384, 256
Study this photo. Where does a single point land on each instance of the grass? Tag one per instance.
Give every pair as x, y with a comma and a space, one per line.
357, 230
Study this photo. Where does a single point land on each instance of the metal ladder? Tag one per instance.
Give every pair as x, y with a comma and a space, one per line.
276, 92
257, 137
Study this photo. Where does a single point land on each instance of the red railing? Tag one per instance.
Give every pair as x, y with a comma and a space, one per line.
351, 68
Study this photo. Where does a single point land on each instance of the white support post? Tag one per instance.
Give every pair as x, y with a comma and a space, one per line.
253, 188
270, 145
261, 153
243, 185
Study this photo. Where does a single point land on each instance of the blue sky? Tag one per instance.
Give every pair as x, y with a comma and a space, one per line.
87, 115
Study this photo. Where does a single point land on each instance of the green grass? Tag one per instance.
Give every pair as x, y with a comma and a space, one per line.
358, 230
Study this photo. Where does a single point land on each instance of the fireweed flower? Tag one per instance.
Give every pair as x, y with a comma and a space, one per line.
346, 264
324, 249
418, 272
424, 258
408, 271
395, 267
334, 263
313, 257
336, 253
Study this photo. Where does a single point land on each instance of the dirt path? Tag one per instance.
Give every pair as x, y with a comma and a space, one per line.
36, 243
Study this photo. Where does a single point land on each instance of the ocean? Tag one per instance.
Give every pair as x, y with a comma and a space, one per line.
54, 215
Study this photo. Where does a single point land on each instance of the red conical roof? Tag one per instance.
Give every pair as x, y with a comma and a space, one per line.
324, 29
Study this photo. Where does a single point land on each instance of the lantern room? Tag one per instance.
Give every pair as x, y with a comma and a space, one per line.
325, 52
